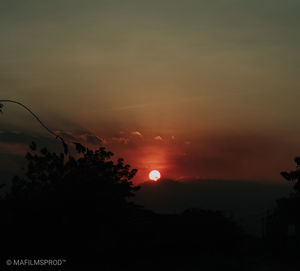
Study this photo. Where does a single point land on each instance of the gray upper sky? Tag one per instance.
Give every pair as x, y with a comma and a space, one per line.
173, 68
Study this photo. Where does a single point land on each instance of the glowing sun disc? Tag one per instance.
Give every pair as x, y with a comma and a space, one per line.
154, 175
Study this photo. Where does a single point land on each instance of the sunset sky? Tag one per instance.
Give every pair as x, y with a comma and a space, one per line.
196, 89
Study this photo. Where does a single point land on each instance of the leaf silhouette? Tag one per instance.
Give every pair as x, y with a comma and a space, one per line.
285, 175
297, 161
33, 146
79, 147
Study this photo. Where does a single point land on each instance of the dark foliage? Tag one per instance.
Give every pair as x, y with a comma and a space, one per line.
293, 175
93, 177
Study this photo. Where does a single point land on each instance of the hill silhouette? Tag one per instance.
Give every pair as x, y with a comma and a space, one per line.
248, 201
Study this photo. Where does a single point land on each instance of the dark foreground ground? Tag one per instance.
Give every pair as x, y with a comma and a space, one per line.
133, 239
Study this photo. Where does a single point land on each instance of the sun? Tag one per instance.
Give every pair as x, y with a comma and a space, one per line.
154, 175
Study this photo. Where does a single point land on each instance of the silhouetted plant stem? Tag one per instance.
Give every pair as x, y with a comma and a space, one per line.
38, 119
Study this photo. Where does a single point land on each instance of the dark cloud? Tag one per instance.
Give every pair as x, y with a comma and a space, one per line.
17, 143
93, 139
15, 137
83, 137
121, 140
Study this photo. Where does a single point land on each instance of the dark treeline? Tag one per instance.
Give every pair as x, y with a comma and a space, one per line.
81, 208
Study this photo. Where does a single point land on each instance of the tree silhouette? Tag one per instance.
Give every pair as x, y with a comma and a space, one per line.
77, 202
91, 176
293, 175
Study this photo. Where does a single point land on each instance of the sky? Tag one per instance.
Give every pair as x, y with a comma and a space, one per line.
196, 89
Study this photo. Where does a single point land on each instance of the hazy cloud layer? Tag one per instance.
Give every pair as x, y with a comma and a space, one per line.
227, 156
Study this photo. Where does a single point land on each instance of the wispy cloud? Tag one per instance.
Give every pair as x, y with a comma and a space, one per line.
137, 133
